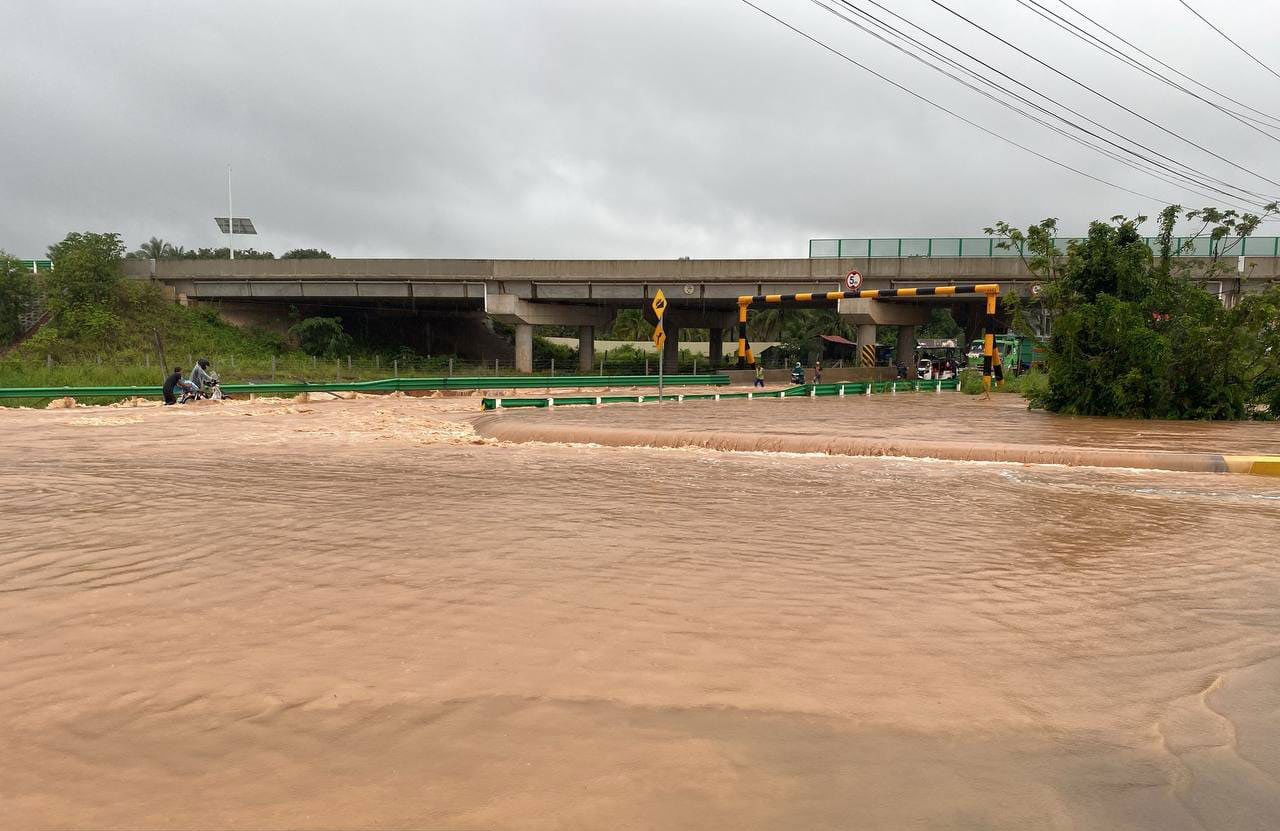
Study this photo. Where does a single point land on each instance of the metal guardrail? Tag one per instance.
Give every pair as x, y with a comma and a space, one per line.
487, 382
841, 389
987, 247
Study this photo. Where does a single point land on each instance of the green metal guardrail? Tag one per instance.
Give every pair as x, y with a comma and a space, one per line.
36, 266
987, 247
483, 382
801, 391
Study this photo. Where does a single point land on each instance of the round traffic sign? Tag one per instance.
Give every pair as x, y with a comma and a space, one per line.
853, 280
1035, 289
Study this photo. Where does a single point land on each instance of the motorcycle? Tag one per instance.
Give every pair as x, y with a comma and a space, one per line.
212, 391
797, 376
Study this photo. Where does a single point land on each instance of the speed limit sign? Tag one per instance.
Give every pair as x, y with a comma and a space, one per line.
853, 280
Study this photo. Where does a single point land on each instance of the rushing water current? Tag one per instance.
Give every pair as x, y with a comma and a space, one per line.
360, 614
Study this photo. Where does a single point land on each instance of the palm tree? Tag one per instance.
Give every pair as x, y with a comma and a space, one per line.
157, 249
631, 325
767, 324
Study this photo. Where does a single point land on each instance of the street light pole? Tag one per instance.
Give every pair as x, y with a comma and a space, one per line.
231, 219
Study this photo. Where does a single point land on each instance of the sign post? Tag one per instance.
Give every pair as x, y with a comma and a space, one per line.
659, 335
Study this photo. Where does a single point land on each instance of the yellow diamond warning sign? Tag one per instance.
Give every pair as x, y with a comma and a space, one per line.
659, 306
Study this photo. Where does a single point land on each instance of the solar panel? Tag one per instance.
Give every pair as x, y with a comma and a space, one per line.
241, 225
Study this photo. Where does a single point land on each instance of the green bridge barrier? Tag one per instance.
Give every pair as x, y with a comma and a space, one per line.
845, 388
482, 382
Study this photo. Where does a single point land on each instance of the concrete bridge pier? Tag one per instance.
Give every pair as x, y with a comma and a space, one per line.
907, 349
867, 313
866, 338
692, 317
671, 349
586, 348
524, 315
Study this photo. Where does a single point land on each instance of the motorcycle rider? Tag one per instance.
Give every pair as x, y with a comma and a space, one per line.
200, 376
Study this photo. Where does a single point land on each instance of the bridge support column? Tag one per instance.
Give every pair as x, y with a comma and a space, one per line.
524, 347
671, 350
524, 315
866, 340
907, 349
715, 347
586, 348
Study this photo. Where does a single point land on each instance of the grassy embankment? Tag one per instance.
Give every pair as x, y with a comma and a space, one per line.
971, 382
115, 345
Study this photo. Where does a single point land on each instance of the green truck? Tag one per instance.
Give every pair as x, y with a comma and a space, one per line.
1017, 353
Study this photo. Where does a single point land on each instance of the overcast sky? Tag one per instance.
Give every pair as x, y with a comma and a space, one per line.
580, 128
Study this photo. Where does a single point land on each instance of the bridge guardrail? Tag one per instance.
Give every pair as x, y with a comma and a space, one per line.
839, 388
987, 247
486, 382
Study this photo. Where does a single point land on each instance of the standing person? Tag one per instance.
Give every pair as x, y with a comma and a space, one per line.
817, 371
759, 374
170, 383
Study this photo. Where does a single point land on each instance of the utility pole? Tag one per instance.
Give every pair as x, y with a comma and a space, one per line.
231, 219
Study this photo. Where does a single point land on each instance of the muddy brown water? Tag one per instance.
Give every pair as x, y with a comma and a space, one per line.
360, 614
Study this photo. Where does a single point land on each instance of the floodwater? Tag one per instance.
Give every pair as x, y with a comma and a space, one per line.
926, 416
363, 615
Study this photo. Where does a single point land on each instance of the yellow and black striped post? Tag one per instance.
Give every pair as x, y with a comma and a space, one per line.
867, 354
989, 289
990, 355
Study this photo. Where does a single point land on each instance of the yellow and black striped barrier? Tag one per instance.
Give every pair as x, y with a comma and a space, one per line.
867, 353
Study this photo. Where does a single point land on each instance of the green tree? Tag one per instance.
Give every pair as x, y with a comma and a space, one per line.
86, 268
803, 329
323, 337
17, 291
157, 249
767, 324
306, 254
629, 325
225, 253
941, 324
1135, 335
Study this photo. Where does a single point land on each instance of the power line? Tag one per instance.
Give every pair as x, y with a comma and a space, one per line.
1059, 130
1172, 69
950, 112
1229, 40
1103, 96
1096, 42
1194, 176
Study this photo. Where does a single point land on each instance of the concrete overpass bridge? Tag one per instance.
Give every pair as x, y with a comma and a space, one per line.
588, 293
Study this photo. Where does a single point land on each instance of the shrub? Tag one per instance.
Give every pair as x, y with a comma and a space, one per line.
322, 337
17, 290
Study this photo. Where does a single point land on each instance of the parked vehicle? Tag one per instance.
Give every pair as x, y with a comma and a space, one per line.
1017, 353
924, 369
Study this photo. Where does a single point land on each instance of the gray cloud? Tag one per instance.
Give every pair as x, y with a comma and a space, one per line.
568, 129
